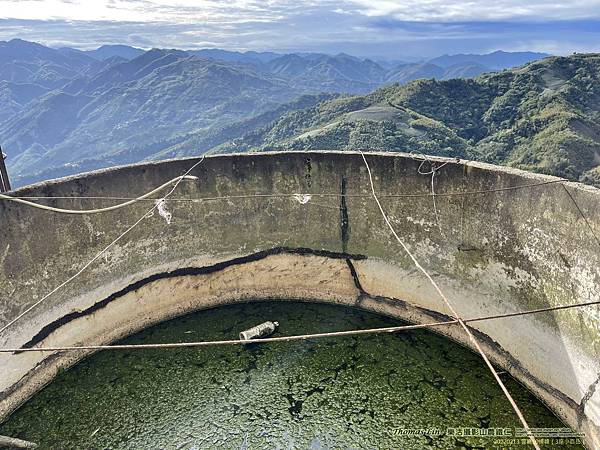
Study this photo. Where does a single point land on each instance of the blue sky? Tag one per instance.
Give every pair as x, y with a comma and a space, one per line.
375, 28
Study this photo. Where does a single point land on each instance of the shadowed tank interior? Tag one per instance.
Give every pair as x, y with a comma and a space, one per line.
344, 392
297, 226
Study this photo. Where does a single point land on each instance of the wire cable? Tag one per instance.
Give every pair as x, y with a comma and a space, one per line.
583, 216
176, 180
105, 249
381, 330
278, 195
433, 172
472, 338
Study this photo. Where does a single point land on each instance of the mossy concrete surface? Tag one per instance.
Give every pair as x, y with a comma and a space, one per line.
491, 252
336, 393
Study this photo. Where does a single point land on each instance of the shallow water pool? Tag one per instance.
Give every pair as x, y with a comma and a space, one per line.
335, 393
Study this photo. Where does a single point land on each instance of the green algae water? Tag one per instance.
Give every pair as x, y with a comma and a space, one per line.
365, 392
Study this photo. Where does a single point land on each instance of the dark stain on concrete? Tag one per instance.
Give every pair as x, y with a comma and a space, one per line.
344, 221
588, 395
355, 277
187, 271
308, 175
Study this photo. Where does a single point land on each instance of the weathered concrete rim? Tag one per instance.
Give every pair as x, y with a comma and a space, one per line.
416, 157
517, 250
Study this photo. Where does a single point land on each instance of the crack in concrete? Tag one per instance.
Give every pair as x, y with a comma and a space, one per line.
355, 278
591, 390
344, 220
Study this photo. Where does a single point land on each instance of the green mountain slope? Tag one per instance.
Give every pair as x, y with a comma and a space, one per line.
63, 111
150, 99
189, 144
543, 117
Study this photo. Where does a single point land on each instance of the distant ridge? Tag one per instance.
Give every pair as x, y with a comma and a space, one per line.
65, 110
497, 60
108, 51
231, 56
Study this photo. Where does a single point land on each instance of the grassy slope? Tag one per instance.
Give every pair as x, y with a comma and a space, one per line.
543, 117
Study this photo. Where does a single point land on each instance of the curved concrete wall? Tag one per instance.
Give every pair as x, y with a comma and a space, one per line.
494, 252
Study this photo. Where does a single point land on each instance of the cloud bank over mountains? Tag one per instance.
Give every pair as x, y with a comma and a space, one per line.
239, 11
385, 28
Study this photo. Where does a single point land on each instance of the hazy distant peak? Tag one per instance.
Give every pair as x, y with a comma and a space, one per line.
105, 52
496, 60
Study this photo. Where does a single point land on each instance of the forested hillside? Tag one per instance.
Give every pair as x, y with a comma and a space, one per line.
64, 111
543, 117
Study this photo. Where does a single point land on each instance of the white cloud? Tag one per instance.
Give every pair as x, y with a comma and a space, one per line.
58, 9
364, 27
211, 11
479, 10
180, 11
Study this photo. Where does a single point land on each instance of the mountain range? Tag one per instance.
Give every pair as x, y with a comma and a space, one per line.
66, 110
543, 117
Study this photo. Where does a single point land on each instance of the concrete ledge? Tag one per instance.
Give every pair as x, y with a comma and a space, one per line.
496, 252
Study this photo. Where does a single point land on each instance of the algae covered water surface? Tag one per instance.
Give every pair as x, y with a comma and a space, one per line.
335, 393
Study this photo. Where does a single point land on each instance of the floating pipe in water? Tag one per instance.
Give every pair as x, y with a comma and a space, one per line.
8, 442
262, 330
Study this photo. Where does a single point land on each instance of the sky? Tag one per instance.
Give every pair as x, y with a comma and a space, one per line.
375, 28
